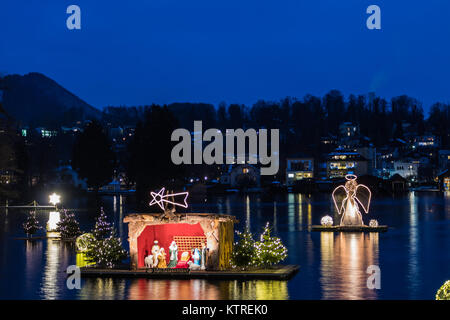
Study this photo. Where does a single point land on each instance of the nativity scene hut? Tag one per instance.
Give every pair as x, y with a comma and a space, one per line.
190, 231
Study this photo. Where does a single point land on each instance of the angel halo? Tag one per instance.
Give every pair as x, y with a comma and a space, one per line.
347, 199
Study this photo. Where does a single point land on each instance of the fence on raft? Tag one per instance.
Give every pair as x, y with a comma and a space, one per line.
35, 205
32, 205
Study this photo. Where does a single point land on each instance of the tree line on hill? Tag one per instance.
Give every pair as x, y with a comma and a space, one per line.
302, 123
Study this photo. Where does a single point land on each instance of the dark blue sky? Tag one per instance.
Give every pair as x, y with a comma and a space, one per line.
237, 51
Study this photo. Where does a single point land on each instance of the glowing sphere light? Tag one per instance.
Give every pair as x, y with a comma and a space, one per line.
373, 223
326, 221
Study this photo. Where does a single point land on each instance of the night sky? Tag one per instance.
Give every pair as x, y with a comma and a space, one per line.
237, 51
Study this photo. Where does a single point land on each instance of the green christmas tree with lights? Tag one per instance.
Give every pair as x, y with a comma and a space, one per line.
105, 248
269, 250
243, 255
31, 225
68, 226
106, 253
444, 292
102, 228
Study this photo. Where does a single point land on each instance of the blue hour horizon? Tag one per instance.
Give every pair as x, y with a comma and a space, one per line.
230, 52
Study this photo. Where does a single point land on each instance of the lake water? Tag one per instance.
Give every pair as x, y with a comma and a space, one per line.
413, 256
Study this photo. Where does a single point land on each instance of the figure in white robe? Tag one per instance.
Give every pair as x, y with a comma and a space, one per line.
203, 256
173, 252
196, 257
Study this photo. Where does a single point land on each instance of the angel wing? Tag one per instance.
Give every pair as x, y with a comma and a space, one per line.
363, 196
339, 197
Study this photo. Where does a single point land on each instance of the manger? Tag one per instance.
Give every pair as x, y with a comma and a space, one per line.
190, 240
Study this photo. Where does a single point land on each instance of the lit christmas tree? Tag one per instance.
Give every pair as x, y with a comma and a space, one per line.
444, 291
31, 225
269, 250
244, 250
106, 253
102, 228
68, 226
104, 248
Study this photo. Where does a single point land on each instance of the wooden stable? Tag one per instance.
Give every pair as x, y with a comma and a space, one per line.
189, 230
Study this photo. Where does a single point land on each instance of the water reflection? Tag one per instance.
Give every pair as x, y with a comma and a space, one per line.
255, 290
344, 259
33, 261
275, 222
247, 212
333, 266
447, 204
413, 268
50, 288
291, 212
197, 289
102, 289
120, 213
300, 212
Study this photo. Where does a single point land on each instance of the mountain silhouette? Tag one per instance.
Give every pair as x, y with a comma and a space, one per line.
36, 100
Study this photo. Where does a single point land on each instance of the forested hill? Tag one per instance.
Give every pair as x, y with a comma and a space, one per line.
34, 99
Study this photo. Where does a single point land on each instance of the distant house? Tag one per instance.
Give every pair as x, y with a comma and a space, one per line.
397, 183
426, 141
340, 164
348, 129
116, 134
329, 140
444, 159
408, 169
7, 177
444, 180
299, 169
71, 130
241, 175
369, 153
46, 133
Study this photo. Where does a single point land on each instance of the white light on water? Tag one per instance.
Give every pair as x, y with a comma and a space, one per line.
53, 220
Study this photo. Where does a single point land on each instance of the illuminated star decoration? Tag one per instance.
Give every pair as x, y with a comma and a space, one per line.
159, 198
55, 199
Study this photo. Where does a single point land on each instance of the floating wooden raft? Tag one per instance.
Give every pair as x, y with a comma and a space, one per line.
276, 273
349, 228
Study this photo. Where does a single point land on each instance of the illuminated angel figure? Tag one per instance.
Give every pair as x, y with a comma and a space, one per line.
346, 199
